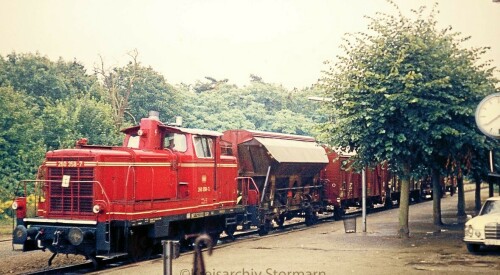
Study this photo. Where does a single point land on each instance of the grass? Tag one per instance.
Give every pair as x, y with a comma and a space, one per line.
6, 228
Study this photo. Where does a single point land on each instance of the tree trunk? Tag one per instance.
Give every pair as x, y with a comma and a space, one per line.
461, 198
404, 207
436, 198
478, 194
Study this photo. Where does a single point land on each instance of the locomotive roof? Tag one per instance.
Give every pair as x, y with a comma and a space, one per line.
194, 131
255, 133
173, 129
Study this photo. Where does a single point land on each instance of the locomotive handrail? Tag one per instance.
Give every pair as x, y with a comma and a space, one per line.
298, 188
103, 192
106, 202
246, 182
265, 184
129, 169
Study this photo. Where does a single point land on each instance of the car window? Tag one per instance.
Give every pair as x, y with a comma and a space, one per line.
491, 207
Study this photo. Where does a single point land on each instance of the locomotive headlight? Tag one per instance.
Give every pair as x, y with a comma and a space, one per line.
15, 205
96, 209
75, 236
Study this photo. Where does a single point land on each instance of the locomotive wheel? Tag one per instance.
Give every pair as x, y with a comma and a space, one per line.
96, 262
230, 231
140, 246
215, 238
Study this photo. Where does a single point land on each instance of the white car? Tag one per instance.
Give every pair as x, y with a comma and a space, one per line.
485, 228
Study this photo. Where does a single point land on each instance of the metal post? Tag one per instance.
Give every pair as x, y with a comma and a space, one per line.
265, 185
167, 256
363, 191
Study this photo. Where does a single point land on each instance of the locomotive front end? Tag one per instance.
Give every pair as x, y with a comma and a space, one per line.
71, 206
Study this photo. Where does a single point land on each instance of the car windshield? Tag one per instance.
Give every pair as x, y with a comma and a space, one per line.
491, 207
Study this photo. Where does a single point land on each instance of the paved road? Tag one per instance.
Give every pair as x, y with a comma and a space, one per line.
327, 249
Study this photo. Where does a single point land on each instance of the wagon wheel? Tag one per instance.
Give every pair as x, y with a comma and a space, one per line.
338, 213
264, 229
280, 221
311, 218
140, 246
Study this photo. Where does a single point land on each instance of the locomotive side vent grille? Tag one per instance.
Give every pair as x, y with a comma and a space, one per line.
492, 231
77, 198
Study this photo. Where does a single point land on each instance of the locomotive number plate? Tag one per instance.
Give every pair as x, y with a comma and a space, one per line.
67, 163
65, 181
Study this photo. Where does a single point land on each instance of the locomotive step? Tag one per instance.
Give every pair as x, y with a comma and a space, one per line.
111, 256
231, 221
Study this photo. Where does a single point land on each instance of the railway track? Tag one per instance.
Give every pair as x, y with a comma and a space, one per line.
290, 226
224, 241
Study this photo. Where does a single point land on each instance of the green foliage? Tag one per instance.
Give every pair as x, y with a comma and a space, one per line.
21, 139
406, 93
151, 92
67, 121
46, 105
263, 106
44, 79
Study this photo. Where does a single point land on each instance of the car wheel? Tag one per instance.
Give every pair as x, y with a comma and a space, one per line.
473, 247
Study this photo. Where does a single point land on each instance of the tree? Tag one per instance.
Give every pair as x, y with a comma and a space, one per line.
46, 80
64, 122
119, 83
21, 138
151, 92
258, 106
403, 93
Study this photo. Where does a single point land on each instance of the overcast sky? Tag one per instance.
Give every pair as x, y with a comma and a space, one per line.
185, 40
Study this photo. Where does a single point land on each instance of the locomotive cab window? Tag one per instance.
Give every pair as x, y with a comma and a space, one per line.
133, 141
175, 142
203, 147
226, 149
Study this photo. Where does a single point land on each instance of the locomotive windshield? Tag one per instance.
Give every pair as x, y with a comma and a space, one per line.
175, 142
203, 146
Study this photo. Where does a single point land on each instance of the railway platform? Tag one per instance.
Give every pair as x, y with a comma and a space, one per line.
325, 248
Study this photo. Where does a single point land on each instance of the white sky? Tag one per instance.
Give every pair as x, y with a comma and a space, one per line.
283, 41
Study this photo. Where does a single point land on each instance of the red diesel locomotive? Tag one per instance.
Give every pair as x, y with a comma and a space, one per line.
168, 182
